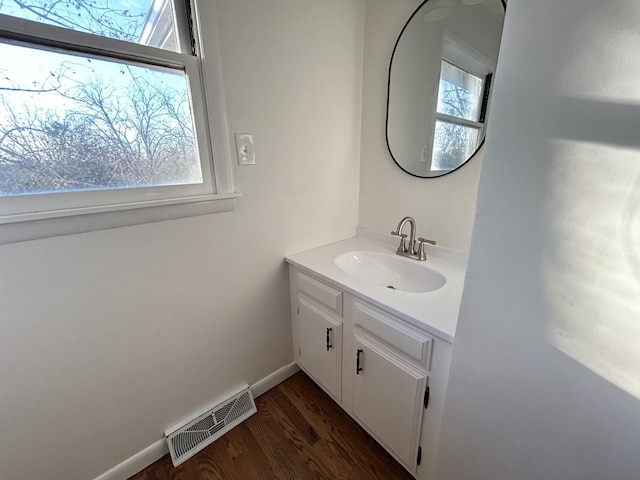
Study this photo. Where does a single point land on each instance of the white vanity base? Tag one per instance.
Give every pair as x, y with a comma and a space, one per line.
380, 354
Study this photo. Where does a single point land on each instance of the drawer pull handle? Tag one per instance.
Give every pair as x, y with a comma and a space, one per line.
329, 346
358, 367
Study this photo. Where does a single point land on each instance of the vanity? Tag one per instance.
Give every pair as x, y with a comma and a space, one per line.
375, 331
373, 321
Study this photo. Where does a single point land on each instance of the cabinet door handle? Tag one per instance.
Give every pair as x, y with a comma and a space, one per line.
358, 367
329, 346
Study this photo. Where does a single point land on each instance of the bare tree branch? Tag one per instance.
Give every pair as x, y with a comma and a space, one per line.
87, 16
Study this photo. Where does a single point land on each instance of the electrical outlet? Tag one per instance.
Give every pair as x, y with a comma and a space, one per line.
245, 149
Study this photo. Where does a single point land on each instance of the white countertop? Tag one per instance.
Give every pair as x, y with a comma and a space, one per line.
435, 312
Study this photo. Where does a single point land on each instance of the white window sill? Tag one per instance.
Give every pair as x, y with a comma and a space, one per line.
80, 220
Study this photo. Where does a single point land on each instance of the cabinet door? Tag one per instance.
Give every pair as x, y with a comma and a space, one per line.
320, 353
388, 397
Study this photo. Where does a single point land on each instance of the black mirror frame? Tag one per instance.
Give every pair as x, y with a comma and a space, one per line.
386, 124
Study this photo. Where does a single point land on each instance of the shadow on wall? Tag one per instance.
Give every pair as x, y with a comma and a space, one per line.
544, 380
592, 270
630, 228
590, 150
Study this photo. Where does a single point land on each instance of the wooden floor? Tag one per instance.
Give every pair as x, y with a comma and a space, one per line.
298, 433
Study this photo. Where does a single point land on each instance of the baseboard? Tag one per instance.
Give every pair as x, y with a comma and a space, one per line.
137, 462
273, 379
159, 449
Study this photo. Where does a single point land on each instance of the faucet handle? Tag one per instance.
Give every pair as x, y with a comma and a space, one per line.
424, 240
422, 256
403, 245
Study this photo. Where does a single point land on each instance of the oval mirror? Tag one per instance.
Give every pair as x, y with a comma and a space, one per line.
440, 84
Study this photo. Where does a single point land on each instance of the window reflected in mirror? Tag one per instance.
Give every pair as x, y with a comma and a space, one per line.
440, 85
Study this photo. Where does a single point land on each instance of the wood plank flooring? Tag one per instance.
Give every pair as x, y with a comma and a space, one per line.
298, 433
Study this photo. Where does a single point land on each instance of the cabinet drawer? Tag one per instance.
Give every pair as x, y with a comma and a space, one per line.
321, 292
395, 332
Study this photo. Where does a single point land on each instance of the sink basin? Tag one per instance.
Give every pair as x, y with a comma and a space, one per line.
390, 271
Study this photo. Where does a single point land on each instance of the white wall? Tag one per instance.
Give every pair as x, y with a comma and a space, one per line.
109, 337
443, 207
545, 377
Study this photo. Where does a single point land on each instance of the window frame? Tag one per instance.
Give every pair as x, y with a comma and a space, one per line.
23, 217
460, 54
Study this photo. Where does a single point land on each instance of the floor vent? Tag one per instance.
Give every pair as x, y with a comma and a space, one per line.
195, 434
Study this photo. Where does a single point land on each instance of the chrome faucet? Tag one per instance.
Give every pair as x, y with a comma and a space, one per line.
411, 250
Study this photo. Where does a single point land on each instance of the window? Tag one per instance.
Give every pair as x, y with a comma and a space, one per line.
102, 108
463, 94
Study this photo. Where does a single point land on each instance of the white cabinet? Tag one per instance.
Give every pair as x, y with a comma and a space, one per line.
320, 346
379, 368
317, 331
388, 397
